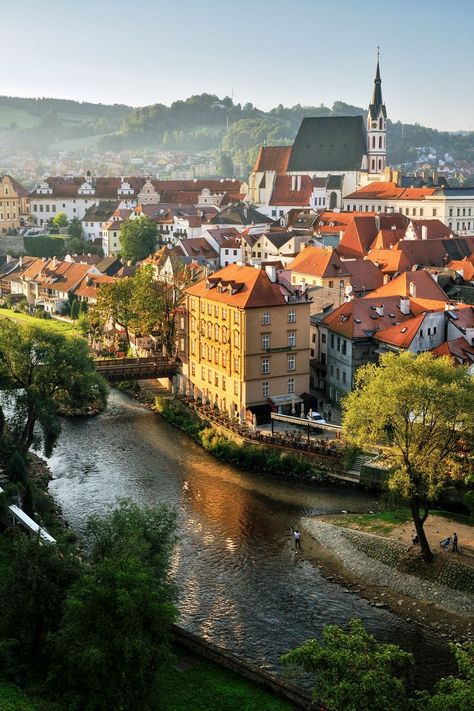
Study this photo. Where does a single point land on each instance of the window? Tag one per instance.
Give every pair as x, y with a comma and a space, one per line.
331, 284
434, 211
322, 358
265, 388
236, 317
332, 370
209, 330
236, 364
332, 340
344, 377
216, 311
292, 338
216, 332
203, 307
224, 314
450, 211
193, 347
323, 338
209, 309
291, 385
209, 375
291, 316
434, 329
344, 347
193, 368
291, 362
338, 373
421, 333
338, 343
216, 380
35, 208
265, 366
224, 359
203, 373
224, 383
224, 334
265, 319
265, 341
421, 211
236, 339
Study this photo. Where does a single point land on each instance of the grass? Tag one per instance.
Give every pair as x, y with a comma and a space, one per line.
384, 522
10, 114
77, 144
206, 686
68, 329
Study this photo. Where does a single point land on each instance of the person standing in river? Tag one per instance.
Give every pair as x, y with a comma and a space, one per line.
297, 539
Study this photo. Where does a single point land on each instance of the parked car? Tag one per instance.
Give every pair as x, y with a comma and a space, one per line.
315, 417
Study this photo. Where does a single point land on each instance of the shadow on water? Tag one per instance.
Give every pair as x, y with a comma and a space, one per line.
241, 584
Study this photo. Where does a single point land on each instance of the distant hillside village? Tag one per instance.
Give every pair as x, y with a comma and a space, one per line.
323, 259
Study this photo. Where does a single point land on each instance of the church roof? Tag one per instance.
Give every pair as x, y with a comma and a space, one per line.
329, 143
377, 104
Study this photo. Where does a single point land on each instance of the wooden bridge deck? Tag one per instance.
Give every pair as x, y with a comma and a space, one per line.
117, 369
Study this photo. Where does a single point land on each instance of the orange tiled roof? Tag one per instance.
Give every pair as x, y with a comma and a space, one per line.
89, 285
318, 262
359, 318
250, 287
402, 334
272, 158
416, 284
466, 266
364, 275
386, 239
389, 191
459, 350
389, 261
283, 194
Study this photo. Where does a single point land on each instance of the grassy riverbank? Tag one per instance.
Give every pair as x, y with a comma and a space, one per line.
64, 327
247, 456
193, 683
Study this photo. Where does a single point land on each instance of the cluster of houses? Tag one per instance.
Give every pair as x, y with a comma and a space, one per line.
324, 259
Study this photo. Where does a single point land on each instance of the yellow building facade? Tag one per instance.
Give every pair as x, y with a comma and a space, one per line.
247, 345
13, 204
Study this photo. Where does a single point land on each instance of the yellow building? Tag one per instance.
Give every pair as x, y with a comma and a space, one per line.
247, 341
14, 204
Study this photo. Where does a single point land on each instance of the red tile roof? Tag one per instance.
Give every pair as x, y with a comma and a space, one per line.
435, 229
364, 275
459, 350
283, 194
416, 284
466, 266
390, 261
402, 334
272, 158
317, 262
389, 191
90, 284
358, 318
251, 288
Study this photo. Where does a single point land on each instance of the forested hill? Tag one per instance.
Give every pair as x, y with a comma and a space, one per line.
203, 122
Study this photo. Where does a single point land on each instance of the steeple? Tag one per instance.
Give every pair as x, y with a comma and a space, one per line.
377, 127
377, 105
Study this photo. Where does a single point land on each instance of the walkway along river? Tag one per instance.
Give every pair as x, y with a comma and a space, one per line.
242, 585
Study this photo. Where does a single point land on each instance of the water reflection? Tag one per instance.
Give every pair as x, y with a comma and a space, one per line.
241, 584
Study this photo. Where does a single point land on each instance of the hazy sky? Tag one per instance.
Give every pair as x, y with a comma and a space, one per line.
265, 51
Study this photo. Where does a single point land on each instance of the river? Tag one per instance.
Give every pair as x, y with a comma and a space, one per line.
242, 586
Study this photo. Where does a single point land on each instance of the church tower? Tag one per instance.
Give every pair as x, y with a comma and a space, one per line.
377, 128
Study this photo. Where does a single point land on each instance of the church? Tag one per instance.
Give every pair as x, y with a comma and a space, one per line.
330, 158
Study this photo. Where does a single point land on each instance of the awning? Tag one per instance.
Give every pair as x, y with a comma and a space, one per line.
279, 400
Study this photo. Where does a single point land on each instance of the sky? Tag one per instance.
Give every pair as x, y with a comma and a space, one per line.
263, 51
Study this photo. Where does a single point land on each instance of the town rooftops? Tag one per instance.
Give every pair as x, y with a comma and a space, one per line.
90, 284
389, 191
317, 262
101, 212
198, 247
459, 350
292, 190
240, 214
401, 335
241, 286
364, 275
329, 143
465, 267
362, 318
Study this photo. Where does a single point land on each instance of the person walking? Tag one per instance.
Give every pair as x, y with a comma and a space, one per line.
455, 543
297, 539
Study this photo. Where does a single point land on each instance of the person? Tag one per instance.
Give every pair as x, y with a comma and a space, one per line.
445, 544
297, 539
455, 543
414, 538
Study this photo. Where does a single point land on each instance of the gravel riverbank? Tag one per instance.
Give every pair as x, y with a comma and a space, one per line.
372, 563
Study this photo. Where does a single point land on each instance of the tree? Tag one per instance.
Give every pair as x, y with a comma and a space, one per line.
75, 306
453, 693
31, 602
60, 220
115, 303
225, 166
138, 239
115, 634
421, 409
75, 229
40, 372
353, 670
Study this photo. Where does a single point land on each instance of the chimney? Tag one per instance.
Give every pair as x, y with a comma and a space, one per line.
424, 232
379, 310
271, 272
20, 261
404, 305
386, 278
412, 289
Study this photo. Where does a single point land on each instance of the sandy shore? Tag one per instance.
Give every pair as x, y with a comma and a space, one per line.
342, 556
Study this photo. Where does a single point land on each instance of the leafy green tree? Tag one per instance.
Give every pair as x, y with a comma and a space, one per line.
17, 469
453, 693
421, 410
40, 372
115, 304
138, 239
60, 220
31, 603
225, 166
353, 670
75, 229
75, 306
115, 634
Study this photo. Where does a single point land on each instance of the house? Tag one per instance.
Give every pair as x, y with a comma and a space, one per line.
316, 266
414, 284
87, 289
364, 276
95, 216
248, 342
459, 350
199, 250
14, 204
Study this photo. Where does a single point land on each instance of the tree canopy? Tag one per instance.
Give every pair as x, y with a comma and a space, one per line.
420, 409
40, 372
353, 671
138, 239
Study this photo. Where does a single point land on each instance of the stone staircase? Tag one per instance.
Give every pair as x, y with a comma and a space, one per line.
354, 472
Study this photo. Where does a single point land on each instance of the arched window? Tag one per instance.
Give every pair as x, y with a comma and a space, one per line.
216, 332
380, 165
373, 165
209, 330
380, 141
373, 141
380, 124
332, 201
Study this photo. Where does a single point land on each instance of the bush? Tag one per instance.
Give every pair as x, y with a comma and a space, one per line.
43, 246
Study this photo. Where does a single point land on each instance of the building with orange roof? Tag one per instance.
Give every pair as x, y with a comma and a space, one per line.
415, 284
316, 266
459, 351
463, 267
89, 286
14, 204
454, 207
389, 261
247, 342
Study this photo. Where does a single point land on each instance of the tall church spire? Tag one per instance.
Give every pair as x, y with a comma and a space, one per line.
376, 127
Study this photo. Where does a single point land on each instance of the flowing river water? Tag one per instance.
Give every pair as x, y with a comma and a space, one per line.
242, 586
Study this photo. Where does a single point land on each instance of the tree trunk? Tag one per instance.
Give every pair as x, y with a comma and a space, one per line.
419, 521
